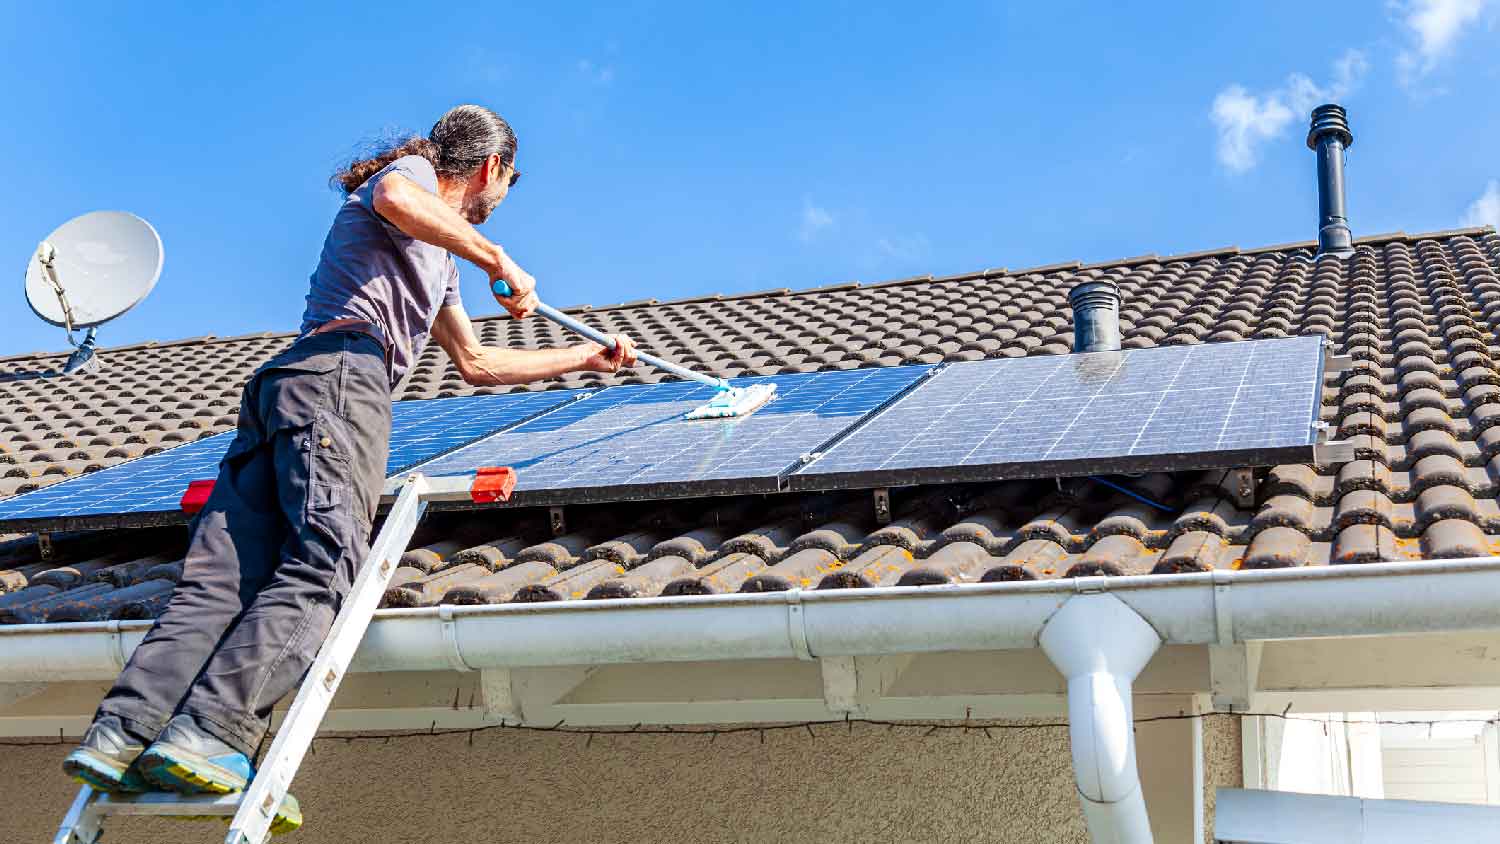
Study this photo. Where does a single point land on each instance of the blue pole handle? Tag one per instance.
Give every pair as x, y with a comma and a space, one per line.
500, 288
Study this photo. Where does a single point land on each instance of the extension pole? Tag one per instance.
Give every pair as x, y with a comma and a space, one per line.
502, 289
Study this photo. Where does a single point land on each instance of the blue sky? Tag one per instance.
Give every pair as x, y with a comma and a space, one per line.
673, 149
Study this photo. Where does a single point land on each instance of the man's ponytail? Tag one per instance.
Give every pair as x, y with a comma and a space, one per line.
349, 178
459, 143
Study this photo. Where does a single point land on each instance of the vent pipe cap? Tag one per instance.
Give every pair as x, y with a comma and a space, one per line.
1096, 316
1330, 119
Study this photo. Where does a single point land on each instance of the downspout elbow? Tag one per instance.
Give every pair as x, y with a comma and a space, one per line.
1100, 645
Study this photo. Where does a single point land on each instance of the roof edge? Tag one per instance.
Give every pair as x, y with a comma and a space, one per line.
1360, 600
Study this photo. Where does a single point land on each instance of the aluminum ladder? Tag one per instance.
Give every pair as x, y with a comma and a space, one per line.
253, 810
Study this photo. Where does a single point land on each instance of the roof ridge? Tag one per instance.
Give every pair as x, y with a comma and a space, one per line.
1069, 266
1042, 269
204, 339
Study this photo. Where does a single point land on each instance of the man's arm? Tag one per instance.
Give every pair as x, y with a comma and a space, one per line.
425, 216
486, 366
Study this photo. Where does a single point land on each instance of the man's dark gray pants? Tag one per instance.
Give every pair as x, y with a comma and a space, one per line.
274, 550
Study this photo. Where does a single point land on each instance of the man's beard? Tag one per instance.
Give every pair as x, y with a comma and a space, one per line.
477, 209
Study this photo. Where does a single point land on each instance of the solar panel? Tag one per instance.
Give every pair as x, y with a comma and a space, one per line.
151, 483
1171, 408
420, 430
632, 442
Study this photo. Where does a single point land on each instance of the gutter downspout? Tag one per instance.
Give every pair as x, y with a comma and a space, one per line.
1100, 645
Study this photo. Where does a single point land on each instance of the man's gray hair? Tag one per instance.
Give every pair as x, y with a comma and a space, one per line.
466, 136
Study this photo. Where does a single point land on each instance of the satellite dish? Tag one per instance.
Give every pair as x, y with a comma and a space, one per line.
90, 270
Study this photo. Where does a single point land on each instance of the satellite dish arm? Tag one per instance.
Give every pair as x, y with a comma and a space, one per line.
46, 254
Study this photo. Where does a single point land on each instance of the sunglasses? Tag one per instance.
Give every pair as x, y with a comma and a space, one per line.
515, 176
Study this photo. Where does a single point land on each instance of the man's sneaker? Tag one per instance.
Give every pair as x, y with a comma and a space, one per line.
107, 757
187, 760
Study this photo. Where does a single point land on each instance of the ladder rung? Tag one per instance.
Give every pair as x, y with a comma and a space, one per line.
163, 803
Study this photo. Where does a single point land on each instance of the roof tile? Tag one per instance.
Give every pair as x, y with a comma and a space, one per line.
1420, 403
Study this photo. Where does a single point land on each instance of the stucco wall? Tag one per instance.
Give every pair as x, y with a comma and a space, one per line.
1222, 765
870, 785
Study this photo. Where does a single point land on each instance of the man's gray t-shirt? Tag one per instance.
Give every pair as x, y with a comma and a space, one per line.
371, 270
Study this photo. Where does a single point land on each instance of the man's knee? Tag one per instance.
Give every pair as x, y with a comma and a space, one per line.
230, 558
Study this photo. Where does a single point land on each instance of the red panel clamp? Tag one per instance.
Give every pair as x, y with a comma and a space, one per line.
196, 496
492, 483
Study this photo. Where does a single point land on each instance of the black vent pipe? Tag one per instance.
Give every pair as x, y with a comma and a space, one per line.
1096, 316
1329, 135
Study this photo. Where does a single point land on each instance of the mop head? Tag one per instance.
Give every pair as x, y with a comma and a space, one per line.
735, 401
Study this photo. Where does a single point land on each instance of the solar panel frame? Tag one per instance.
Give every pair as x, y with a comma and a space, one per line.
1025, 414
153, 484
776, 436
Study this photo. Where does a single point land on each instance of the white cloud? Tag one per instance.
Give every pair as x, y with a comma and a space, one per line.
814, 220
1485, 211
595, 73
1246, 120
1434, 27
904, 247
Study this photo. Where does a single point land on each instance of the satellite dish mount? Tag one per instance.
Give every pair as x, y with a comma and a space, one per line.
83, 353
88, 271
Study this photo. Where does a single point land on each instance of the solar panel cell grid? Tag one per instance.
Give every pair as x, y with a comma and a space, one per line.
635, 436
420, 430
147, 484
1008, 415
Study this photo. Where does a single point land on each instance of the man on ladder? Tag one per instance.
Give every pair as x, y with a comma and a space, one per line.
278, 543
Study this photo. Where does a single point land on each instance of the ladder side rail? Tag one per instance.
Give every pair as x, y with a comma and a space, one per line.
81, 825
252, 823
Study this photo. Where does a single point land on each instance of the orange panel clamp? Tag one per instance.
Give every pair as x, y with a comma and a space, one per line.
492, 483
196, 496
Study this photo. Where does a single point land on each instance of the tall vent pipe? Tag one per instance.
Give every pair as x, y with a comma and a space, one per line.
1096, 316
1329, 136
